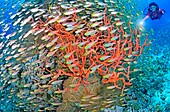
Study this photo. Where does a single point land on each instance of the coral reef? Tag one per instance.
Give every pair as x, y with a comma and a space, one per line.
74, 57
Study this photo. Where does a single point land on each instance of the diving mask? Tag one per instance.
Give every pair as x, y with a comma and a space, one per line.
153, 8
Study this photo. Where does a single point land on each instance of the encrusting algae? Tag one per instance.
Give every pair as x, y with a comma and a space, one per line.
75, 56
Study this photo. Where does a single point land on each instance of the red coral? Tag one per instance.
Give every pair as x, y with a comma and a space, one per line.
94, 51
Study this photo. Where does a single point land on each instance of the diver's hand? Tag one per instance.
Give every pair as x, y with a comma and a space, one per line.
163, 11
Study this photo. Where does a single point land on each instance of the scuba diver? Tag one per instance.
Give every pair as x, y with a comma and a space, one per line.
154, 12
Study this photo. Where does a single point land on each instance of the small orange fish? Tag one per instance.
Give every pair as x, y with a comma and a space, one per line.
73, 85
27, 85
91, 32
46, 76
51, 53
88, 46
21, 49
52, 20
69, 54
8, 58
56, 104
60, 91
63, 19
107, 76
57, 82
111, 87
96, 97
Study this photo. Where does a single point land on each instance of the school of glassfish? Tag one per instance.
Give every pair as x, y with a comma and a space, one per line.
61, 56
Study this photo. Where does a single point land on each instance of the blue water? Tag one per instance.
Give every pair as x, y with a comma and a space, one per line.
157, 55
